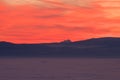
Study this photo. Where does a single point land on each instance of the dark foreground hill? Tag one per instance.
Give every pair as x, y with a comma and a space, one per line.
96, 47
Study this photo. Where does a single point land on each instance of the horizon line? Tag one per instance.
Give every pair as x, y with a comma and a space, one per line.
58, 41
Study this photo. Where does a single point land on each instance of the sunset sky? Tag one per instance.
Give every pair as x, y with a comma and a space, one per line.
41, 21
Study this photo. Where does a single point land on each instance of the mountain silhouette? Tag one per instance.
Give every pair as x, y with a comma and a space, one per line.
3, 43
100, 41
95, 47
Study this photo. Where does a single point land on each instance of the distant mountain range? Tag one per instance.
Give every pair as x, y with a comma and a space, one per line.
95, 47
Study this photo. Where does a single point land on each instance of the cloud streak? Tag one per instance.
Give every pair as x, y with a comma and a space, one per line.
45, 2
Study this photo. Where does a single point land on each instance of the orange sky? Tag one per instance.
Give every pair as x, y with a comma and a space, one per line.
38, 21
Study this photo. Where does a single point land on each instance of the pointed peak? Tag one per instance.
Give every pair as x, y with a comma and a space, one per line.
66, 41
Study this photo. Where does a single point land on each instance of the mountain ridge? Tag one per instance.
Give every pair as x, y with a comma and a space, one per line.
69, 41
95, 47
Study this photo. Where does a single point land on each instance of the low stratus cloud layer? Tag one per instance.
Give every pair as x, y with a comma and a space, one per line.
29, 21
